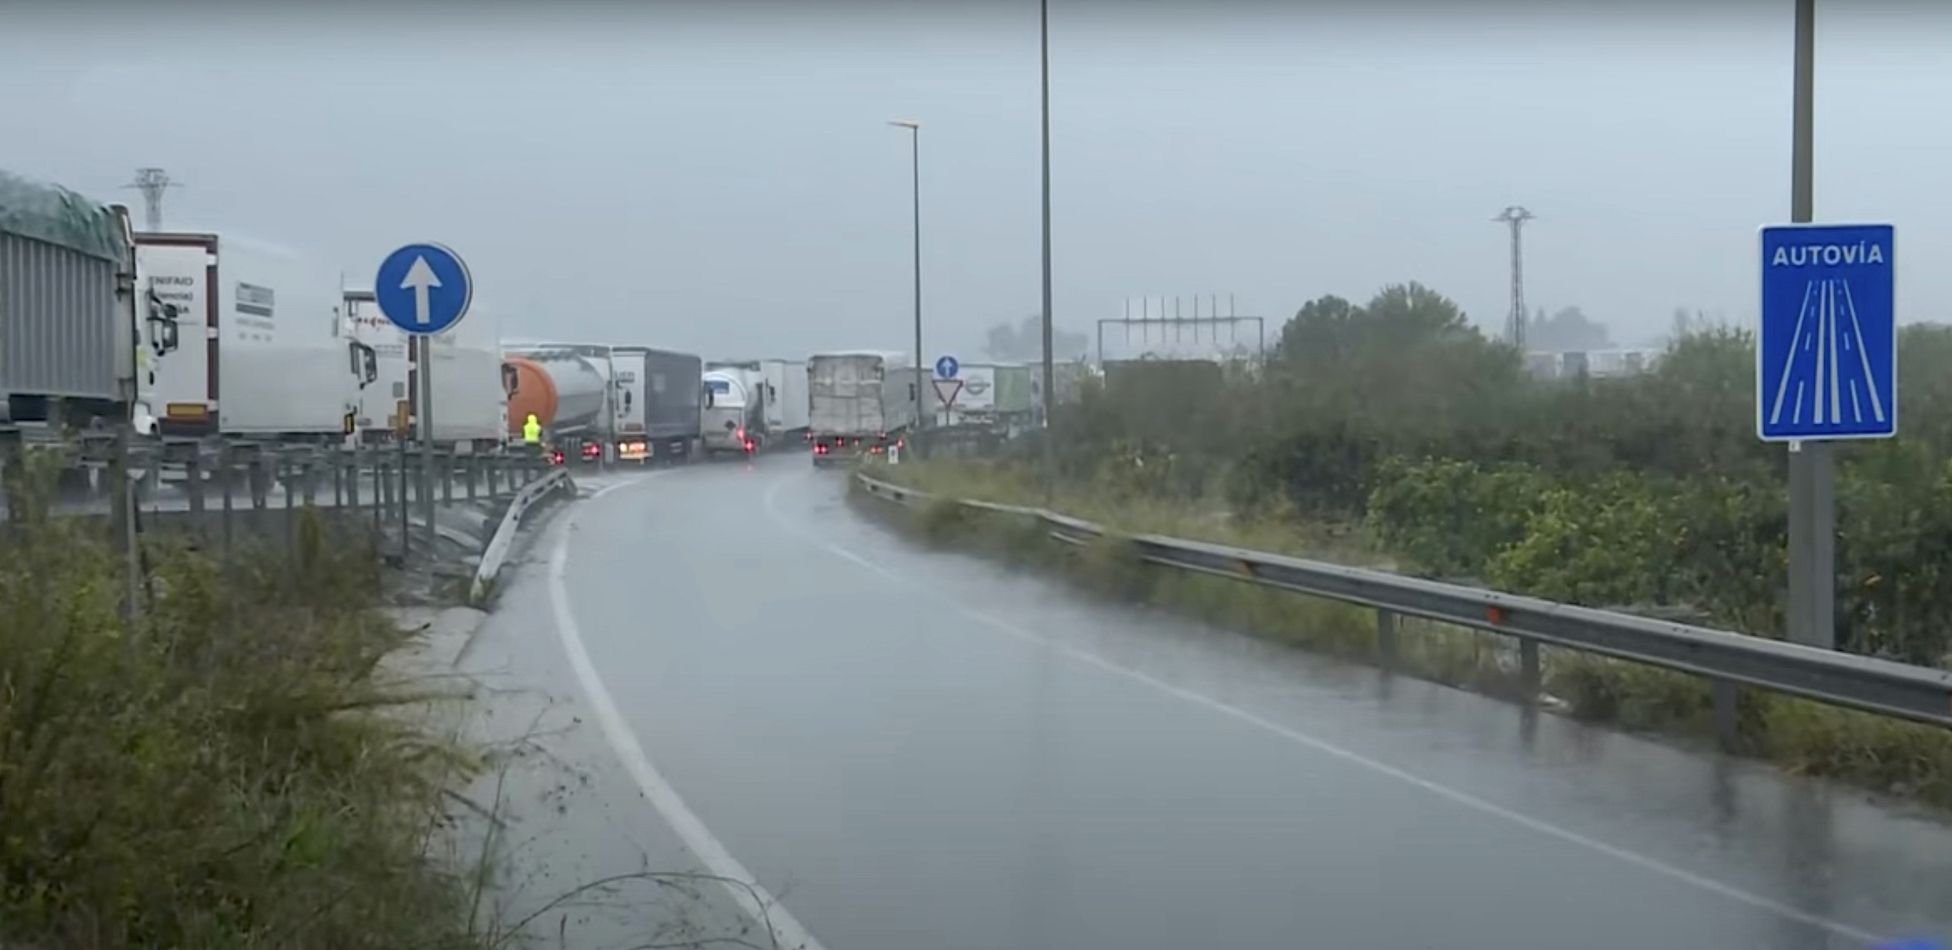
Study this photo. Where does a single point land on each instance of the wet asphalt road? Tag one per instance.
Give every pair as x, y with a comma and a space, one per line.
919, 749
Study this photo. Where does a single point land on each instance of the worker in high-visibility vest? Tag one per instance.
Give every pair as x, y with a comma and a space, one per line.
532, 431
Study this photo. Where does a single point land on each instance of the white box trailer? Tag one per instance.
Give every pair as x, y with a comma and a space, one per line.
786, 397
470, 387
470, 384
859, 401
657, 397
261, 350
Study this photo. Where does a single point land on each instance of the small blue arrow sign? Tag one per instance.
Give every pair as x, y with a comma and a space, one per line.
423, 288
947, 367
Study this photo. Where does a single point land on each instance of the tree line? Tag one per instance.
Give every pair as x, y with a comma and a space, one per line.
1400, 419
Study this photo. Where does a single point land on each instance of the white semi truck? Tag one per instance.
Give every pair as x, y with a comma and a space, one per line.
261, 350
470, 383
733, 419
859, 402
385, 404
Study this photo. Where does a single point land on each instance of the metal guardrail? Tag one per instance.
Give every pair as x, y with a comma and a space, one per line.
220, 488
1725, 658
498, 545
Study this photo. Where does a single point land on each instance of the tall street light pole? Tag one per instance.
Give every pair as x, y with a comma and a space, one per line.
915, 175
1812, 477
1050, 445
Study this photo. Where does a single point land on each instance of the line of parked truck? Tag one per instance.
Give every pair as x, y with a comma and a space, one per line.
199, 335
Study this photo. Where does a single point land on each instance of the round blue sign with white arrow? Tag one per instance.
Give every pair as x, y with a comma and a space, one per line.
423, 288
947, 367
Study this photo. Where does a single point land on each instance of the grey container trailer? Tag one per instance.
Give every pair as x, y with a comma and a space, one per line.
671, 387
68, 307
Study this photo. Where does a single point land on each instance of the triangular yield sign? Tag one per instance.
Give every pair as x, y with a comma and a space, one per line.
947, 390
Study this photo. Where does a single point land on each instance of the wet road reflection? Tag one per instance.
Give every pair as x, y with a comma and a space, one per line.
915, 748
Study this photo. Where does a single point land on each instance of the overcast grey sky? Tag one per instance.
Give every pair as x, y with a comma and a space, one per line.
721, 178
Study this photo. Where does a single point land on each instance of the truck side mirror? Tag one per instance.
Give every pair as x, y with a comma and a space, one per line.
365, 363
161, 321
511, 380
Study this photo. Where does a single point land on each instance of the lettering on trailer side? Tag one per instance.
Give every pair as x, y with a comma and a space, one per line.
181, 291
257, 305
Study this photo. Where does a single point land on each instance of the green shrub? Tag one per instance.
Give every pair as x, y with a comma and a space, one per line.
215, 774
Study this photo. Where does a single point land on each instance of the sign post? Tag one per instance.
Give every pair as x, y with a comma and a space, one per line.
424, 289
1826, 369
946, 368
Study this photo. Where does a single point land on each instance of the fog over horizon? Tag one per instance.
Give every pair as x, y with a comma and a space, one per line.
722, 178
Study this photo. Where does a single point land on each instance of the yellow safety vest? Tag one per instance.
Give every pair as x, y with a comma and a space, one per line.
532, 430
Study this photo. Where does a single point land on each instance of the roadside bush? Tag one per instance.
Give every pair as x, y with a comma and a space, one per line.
1451, 518
213, 775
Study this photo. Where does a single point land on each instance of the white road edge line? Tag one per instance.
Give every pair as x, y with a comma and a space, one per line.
758, 902
1453, 795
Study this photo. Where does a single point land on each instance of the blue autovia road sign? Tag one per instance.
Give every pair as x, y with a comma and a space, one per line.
1826, 359
947, 367
423, 288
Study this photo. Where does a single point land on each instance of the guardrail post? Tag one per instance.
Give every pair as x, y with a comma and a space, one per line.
193, 485
447, 479
259, 475
1386, 638
406, 498
1528, 669
494, 465
227, 474
382, 491
352, 479
379, 496
338, 463
285, 478
308, 469
1726, 696
472, 469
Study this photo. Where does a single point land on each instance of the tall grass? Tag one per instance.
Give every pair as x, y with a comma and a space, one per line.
213, 774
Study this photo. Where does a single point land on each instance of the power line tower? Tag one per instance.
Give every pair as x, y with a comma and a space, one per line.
1516, 216
152, 182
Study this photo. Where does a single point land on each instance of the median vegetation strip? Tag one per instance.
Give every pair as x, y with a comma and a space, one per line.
1394, 435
